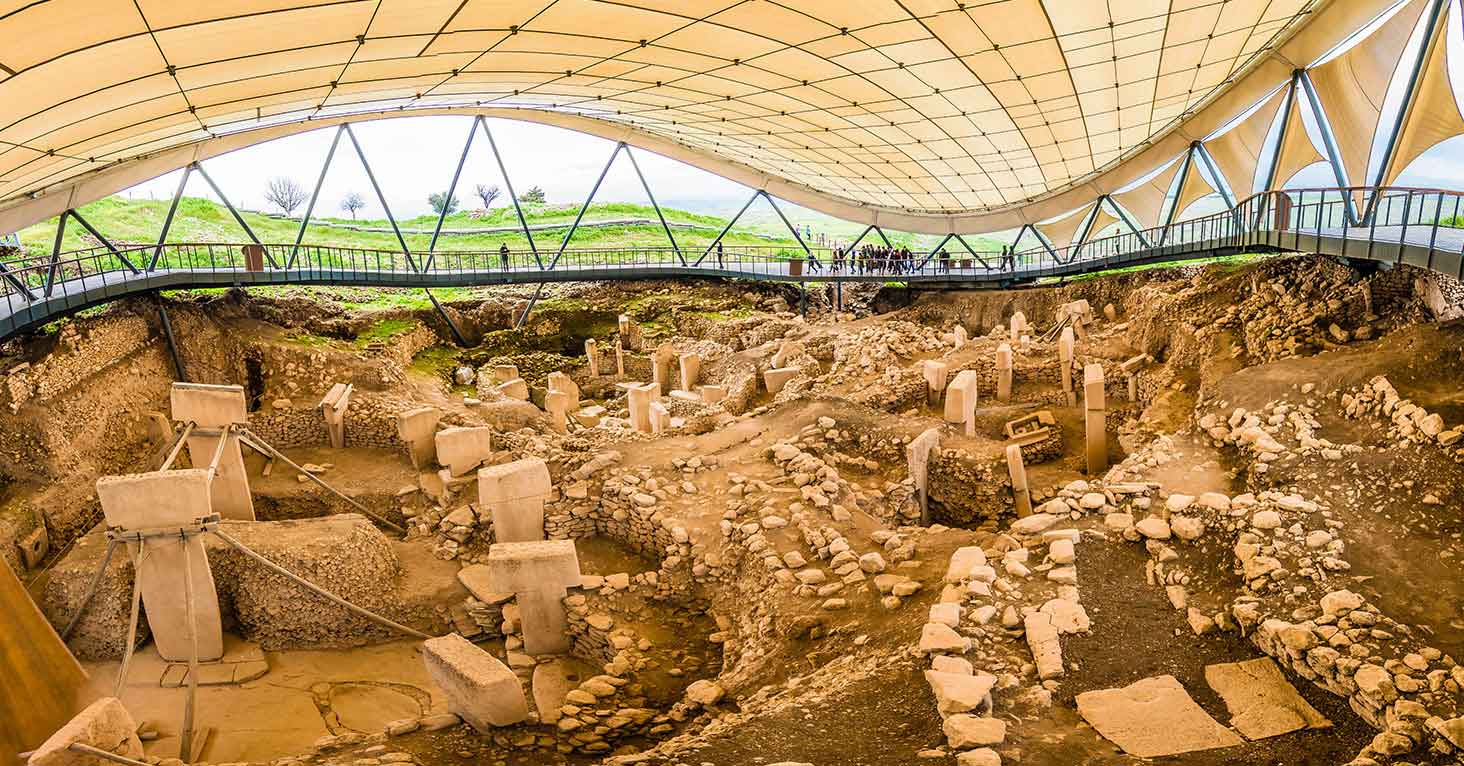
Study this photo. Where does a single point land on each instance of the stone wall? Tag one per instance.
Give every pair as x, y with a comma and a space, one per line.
343, 554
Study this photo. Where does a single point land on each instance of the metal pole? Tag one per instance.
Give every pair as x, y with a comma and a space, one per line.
524, 317
276, 454
508, 182
1431, 36
185, 737
91, 590
333, 598
452, 187
1184, 171
168, 221
457, 334
96, 752
172, 342
861, 237
105, 242
727, 228
793, 228
15, 282
310, 209
239, 219
177, 446
56, 253
129, 641
880, 232
652, 197
1220, 183
370, 176
585, 208
1329, 142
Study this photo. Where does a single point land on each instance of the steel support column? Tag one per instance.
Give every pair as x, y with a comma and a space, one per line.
172, 342
310, 209
524, 317
105, 242
584, 208
15, 282
727, 228
1432, 36
452, 327
370, 176
1181, 180
973, 252
168, 220
508, 182
239, 219
791, 227
1275, 160
1329, 141
452, 187
652, 197
1226, 194
56, 253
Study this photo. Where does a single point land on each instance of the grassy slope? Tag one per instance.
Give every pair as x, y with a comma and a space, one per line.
200, 220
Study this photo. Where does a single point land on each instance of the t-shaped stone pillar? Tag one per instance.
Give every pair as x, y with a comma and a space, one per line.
639, 397
1004, 372
556, 403
660, 418
539, 574
564, 384
960, 402
1019, 325
959, 336
514, 388
418, 430
146, 501
503, 373
592, 357
1094, 415
619, 358
1065, 363
1130, 370
1021, 493
935, 379
690, 371
211, 408
917, 459
333, 406
661, 362
514, 493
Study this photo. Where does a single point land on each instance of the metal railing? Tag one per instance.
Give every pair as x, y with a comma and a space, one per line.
1420, 226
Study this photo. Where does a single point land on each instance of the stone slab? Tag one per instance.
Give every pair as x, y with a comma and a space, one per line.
514, 493
479, 688
104, 724
529, 566
460, 450
1262, 703
1153, 717
163, 499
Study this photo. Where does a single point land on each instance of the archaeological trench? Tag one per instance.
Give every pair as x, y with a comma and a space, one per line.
1193, 515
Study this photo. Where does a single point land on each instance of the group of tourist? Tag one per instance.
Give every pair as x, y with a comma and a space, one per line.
875, 259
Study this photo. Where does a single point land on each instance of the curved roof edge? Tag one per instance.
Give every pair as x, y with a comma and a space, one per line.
1311, 40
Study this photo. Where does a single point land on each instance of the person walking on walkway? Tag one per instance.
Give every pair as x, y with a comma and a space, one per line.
721, 260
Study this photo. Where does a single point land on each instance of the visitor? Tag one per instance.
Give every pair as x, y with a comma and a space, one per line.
503, 255
721, 259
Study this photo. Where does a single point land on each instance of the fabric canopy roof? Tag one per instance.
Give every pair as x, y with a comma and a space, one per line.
930, 106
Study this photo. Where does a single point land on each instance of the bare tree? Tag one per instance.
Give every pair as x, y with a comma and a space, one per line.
487, 194
285, 194
352, 203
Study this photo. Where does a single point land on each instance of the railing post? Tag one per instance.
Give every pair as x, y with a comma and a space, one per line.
1403, 235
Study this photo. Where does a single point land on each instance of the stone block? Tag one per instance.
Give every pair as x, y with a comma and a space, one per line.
479, 688
460, 450
960, 401
418, 429
1153, 718
514, 494
777, 377
527, 566
104, 724
514, 388
1004, 372
690, 370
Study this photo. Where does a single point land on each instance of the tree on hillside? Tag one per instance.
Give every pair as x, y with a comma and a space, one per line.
352, 203
439, 200
534, 196
487, 194
285, 194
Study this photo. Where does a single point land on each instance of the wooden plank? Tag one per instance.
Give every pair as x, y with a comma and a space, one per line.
42, 680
